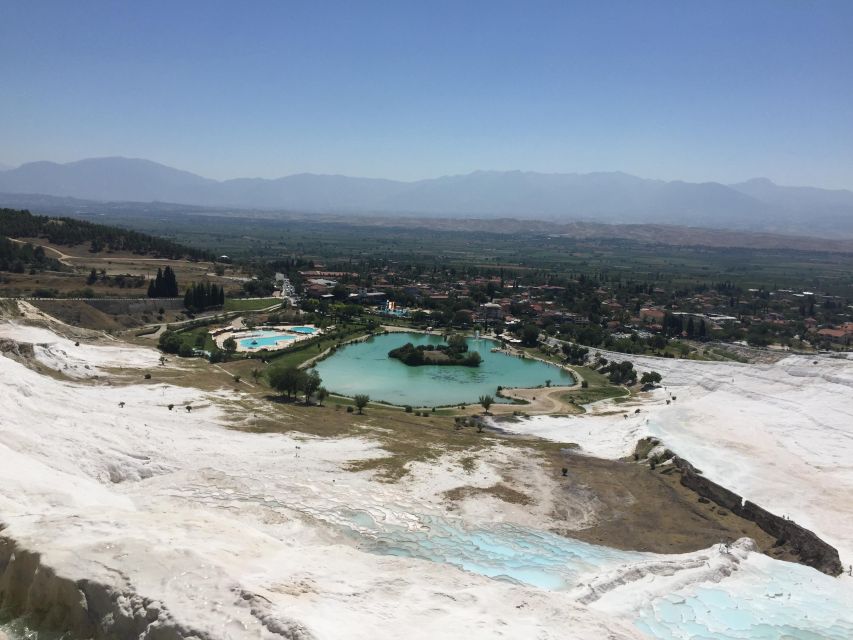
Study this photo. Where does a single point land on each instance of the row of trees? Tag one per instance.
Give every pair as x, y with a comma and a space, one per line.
203, 295
293, 381
165, 285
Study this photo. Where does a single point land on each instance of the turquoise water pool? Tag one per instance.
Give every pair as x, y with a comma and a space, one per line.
365, 367
261, 339
303, 329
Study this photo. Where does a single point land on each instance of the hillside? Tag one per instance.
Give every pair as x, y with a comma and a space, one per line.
72, 232
757, 205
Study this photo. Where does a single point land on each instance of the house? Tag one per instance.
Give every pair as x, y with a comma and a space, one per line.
648, 314
842, 335
369, 297
491, 311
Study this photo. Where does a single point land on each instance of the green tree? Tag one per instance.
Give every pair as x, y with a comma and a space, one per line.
361, 401
457, 343
322, 394
473, 359
229, 346
285, 380
486, 402
170, 342
310, 383
530, 335
650, 377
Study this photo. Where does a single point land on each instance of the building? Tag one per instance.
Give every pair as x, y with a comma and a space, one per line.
842, 335
491, 311
650, 315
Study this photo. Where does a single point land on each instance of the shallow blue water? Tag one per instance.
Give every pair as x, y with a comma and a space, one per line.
771, 600
365, 367
503, 551
260, 339
303, 329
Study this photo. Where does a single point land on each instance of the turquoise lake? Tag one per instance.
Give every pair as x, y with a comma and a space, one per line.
365, 367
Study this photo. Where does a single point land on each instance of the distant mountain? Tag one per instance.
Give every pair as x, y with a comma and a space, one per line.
5, 167
107, 179
614, 197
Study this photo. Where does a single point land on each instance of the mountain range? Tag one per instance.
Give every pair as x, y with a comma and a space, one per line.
611, 197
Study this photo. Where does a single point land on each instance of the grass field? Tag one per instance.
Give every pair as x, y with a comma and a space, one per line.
253, 304
599, 388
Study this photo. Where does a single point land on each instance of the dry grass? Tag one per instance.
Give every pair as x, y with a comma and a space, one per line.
500, 491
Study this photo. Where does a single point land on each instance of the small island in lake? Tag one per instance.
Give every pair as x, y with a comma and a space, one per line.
455, 352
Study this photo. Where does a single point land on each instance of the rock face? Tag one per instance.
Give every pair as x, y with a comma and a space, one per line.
810, 549
86, 608
15, 348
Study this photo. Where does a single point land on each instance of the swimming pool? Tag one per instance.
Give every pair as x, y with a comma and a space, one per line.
302, 329
261, 339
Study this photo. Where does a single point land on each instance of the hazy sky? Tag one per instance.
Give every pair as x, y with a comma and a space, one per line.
695, 90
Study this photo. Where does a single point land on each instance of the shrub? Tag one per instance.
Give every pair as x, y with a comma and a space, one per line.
408, 408
361, 401
350, 409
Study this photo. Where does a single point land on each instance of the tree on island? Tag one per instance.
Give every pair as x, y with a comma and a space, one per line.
486, 402
457, 343
473, 359
361, 401
455, 352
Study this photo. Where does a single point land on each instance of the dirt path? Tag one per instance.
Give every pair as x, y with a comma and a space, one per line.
62, 257
542, 400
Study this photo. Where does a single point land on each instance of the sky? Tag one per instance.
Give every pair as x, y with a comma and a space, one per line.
714, 90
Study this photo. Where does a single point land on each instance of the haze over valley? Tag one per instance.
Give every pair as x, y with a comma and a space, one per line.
755, 205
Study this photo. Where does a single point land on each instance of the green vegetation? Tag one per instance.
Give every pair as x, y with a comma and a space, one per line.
650, 377
240, 304
290, 380
186, 342
453, 353
361, 401
72, 232
203, 295
164, 285
595, 386
19, 258
620, 372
